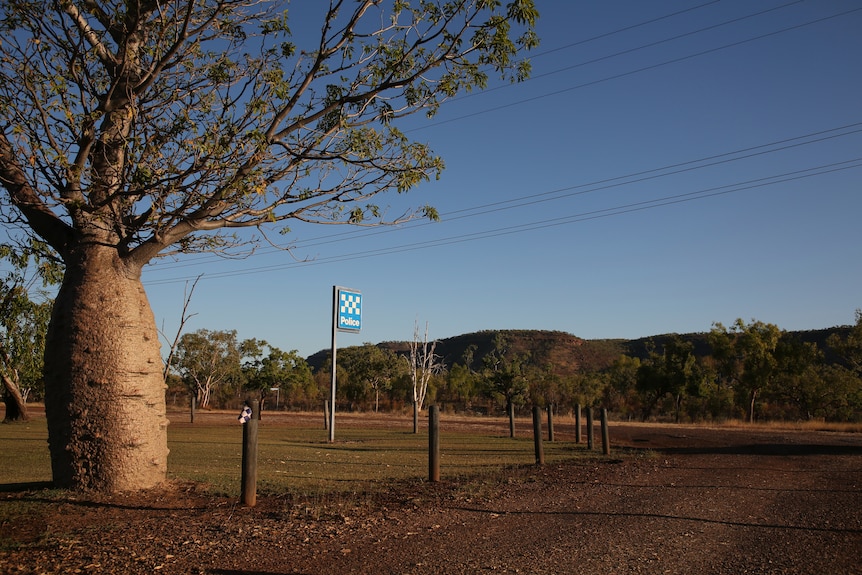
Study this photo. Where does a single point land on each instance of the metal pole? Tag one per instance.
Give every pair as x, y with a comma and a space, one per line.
334, 331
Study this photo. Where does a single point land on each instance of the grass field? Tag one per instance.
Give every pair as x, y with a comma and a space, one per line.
295, 456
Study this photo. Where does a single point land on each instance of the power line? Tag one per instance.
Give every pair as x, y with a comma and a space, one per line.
630, 72
568, 191
629, 50
651, 174
623, 29
553, 222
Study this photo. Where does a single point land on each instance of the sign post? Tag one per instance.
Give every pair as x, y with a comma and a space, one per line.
346, 316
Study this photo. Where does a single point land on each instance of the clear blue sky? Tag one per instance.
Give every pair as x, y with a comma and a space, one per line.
659, 173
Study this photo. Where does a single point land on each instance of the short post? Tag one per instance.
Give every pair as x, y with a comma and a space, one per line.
434, 444
249, 457
326, 414
589, 428
537, 435
511, 414
606, 441
550, 422
192, 404
578, 423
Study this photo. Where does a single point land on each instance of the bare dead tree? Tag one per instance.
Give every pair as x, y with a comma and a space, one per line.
185, 316
424, 364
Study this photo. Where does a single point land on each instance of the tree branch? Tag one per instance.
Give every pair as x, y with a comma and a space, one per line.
89, 34
41, 219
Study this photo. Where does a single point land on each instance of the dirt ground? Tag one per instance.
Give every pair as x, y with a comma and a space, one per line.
669, 499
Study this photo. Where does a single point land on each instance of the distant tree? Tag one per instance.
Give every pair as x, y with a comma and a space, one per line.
674, 372
708, 399
469, 357
266, 367
370, 368
505, 378
130, 130
745, 354
844, 390
323, 379
588, 388
424, 364
849, 348
620, 392
462, 385
206, 360
25, 309
798, 380
847, 377
546, 388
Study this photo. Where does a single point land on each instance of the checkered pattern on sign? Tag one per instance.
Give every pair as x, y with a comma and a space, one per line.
350, 303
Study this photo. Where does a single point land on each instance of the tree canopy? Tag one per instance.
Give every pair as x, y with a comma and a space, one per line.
207, 360
266, 368
143, 123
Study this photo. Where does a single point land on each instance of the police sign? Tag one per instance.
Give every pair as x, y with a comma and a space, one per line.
349, 316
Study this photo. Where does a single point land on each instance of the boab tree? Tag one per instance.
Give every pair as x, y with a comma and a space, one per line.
133, 129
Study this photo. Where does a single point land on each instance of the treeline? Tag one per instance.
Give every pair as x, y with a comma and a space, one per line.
752, 371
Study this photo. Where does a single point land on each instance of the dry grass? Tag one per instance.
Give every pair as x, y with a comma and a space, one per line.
295, 456
812, 425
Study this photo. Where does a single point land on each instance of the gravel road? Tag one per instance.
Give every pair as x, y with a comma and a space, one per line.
669, 500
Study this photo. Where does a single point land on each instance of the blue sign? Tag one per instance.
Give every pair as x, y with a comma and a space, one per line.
349, 310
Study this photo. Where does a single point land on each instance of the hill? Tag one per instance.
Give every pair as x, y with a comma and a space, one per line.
568, 354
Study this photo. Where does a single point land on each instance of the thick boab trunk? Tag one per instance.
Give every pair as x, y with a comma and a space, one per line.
104, 390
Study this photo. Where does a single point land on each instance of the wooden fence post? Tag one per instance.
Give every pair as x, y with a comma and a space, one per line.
550, 422
537, 435
249, 456
578, 423
434, 444
606, 441
589, 428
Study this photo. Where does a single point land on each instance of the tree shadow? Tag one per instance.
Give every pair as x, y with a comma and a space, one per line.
25, 486
45, 492
635, 514
249, 572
